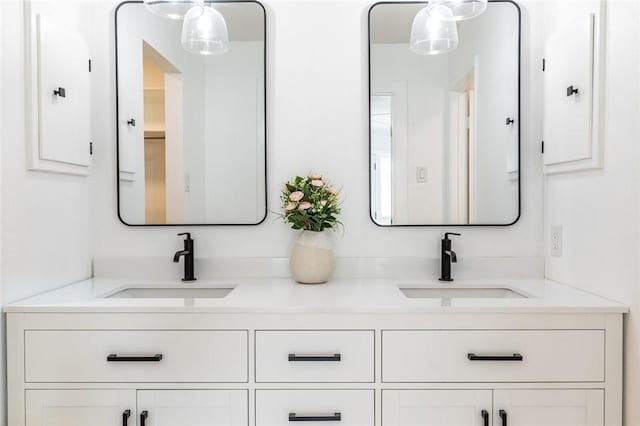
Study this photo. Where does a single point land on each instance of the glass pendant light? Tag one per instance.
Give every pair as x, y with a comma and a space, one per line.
434, 31
205, 32
172, 9
463, 9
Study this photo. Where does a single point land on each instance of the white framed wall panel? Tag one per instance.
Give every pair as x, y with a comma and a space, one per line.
574, 56
57, 56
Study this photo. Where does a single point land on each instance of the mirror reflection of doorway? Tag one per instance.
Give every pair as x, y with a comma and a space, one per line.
382, 158
462, 151
163, 160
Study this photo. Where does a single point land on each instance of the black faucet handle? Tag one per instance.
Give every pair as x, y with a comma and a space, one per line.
188, 234
446, 235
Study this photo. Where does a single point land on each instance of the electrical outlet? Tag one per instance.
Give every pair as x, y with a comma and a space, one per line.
556, 240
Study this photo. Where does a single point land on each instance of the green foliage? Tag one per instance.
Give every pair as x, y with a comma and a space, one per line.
310, 203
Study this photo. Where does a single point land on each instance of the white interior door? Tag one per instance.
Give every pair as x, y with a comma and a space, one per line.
575, 407
193, 408
80, 407
436, 408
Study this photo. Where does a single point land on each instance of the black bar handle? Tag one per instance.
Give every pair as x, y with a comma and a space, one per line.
317, 358
143, 417
514, 357
118, 358
503, 417
485, 417
125, 417
336, 417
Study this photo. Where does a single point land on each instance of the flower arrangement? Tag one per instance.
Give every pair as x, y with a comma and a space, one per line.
310, 203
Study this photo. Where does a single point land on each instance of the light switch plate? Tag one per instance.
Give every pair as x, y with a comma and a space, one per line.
555, 241
421, 174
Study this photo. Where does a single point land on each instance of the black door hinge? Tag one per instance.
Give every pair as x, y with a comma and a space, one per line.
89, 65
90, 148
542, 147
544, 64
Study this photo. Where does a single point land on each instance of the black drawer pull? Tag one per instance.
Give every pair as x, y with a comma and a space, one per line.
143, 417
125, 417
295, 418
514, 357
485, 417
503, 417
118, 358
317, 358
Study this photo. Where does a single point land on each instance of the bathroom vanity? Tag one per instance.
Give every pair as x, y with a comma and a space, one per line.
354, 352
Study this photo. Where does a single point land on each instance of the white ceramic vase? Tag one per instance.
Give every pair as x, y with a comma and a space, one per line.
313, 258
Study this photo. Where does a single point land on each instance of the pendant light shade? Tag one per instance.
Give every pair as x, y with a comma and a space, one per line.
205, 32
434, 31
463, 9
172, 9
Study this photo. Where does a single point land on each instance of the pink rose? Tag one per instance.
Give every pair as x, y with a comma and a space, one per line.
304, 206
323, 203
315, 176
296, 196
290, 206
332, 191
317, 183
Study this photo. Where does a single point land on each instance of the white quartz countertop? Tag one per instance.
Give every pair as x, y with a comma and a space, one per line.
337, 296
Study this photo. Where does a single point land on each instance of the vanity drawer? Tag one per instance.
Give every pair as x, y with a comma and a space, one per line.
493, 356
315, 356
340, 407
140, 356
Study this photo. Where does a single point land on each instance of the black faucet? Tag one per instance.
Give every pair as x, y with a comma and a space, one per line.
447, 257
188, 254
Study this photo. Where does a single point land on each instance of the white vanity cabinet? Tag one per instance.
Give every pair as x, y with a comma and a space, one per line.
64, 407
436, 407
314, 368
575, 407
564, 407
193, 408
79, 407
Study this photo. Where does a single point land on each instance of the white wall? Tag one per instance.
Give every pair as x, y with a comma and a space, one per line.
45, 220
600, 210
47, 232
234, 129
3, 343
317, 74
488, 45
424, 80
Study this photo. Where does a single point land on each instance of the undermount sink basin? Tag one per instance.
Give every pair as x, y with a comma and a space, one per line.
172, 293
461, 293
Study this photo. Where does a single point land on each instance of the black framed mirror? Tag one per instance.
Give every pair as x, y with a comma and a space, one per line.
191, 126
444, 127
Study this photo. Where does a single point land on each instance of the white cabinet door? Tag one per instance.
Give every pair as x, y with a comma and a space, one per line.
80, 407
572, 80
436, 408
575, 407
193, 408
